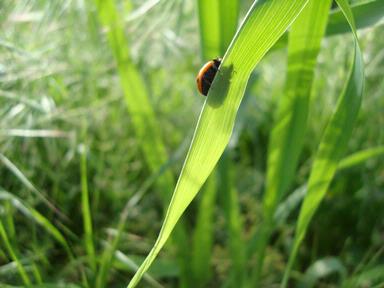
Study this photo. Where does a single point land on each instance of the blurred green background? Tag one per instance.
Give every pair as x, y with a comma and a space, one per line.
66, 132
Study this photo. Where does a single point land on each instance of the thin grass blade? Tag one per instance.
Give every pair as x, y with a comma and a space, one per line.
24, 276
36, 216
361, 157
333, 144
233, 217
291, 122
366, 14
228, 17
203, 235
23, 179
86, 211
209, 24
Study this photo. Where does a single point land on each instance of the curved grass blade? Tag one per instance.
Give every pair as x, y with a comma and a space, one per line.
366, 14
289, 130
333, 144
360, 157
294, 199
37, 217
23, 179
264, 24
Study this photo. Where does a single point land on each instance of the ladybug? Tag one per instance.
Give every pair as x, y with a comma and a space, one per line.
206, 75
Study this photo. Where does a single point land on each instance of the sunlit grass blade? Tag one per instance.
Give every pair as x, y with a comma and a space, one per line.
290, 125
228, 19
264, 24
209, 23
361, 157
218, 22
333, 143
366, 14
24, 276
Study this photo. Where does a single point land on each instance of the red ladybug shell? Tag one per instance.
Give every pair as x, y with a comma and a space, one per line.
206, 75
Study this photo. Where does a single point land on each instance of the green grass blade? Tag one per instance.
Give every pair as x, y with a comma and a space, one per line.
366, 14
228, 17
288, 133
204, 235
23, 179
361, 157
13, 255
209, 23
233, 217
37, 217
218, 22
263, 26
333, 144
294, 199
86, 211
